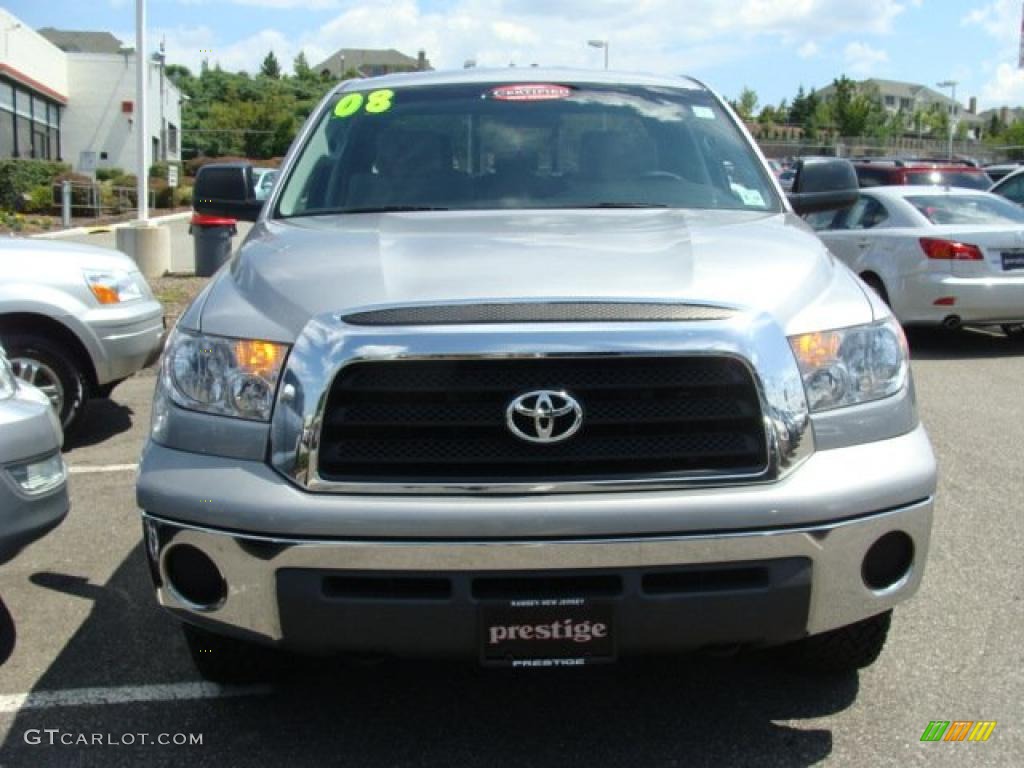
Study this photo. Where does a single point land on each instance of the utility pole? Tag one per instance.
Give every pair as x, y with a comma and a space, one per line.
600, 44
142, 140
952, 113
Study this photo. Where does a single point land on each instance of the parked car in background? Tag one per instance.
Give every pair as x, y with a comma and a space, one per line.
1011, 187
786, 179
999, 171
33, 478
263, 181
935, 255
884, 172
76, 320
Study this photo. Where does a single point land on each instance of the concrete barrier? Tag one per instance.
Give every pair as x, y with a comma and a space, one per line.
149, 245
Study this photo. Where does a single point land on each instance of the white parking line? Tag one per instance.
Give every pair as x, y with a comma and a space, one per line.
90, 470
84, 697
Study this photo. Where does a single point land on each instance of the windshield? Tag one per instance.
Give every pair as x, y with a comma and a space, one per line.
967, 209
950, 179
487, 146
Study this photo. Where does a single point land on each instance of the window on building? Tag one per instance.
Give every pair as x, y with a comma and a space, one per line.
172, 138
890, 101
905, 103
6, 120
156, 151
23, 135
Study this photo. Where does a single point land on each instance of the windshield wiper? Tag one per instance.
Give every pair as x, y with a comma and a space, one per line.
388, 209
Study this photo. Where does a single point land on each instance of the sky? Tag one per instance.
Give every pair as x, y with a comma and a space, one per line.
772, 46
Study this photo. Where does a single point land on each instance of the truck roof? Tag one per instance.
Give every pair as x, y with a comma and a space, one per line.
521, 75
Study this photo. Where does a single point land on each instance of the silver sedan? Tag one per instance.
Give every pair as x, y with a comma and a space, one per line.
75, 319
33, 487
937, 255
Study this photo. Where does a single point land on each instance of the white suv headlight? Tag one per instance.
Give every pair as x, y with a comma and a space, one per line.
229, 377
852, 365
114, 286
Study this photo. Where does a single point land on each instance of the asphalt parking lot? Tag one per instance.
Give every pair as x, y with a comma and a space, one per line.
84, 639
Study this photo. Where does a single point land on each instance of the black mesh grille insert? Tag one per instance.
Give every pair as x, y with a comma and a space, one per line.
443, 421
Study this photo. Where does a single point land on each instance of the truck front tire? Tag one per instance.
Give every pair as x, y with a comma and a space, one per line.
845, 649
225, 660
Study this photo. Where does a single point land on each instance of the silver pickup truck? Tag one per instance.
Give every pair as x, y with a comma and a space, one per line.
538, 368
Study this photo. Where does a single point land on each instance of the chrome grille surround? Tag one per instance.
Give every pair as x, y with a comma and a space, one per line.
327, 344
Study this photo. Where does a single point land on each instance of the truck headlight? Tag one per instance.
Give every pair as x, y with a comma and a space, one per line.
113, 286
852, 365
8, 384
229, 377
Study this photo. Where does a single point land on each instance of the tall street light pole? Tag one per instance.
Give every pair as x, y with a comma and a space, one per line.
600, 44
952, 112
142, 140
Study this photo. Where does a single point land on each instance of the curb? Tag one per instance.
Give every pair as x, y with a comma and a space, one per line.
75, 231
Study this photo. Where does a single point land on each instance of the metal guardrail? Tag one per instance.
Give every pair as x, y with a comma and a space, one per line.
92, 200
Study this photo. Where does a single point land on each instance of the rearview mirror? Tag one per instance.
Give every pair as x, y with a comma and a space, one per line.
823, 184
226, 189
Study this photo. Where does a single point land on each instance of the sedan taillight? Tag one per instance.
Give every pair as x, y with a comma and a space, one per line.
950, 250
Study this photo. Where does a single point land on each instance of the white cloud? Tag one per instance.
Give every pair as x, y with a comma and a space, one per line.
649, 35
1001, 20
808, 50
862, 59
1005, 87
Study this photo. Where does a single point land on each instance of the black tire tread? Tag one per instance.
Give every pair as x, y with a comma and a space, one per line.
226, 660
845, 649
64, 365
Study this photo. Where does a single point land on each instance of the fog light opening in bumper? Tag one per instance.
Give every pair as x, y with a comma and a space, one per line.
194, 577
888, 561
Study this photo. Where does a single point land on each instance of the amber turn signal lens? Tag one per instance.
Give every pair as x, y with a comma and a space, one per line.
262, 358
815, 350
104, 293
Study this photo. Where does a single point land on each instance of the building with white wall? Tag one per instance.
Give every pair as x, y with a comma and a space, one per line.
100, 122
33, 92
70, 96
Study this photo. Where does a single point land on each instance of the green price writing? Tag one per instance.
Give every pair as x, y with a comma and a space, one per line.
375, 102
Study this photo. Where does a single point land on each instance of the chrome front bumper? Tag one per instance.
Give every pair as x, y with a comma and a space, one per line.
250, 564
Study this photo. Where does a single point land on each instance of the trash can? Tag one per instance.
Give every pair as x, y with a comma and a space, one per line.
211, 236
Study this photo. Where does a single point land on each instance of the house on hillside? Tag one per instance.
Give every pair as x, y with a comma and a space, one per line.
371, 63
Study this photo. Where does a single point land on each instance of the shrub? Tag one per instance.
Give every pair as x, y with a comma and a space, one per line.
18, 176
159, 170
39, 199
106, 174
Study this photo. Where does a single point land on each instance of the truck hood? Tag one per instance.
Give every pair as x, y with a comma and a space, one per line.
290, 270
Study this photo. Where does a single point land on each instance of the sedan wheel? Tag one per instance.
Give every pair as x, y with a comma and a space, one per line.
42, 377
52, 368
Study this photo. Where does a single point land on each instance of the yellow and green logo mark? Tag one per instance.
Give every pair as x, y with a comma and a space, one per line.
958, 730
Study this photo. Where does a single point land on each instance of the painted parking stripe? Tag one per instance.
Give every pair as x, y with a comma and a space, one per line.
90, 470
87, 697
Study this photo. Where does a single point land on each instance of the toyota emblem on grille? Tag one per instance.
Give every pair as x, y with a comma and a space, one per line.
544, 416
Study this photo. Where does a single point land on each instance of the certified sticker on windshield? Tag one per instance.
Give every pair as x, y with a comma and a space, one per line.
531, 92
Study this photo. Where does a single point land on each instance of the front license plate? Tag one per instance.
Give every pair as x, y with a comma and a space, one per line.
1013, 260
560, 632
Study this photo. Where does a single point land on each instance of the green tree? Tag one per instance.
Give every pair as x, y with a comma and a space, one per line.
270, 66
746, 105
301, 68
855, 110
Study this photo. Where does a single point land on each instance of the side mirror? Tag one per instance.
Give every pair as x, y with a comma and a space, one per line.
226, 189
823, 184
